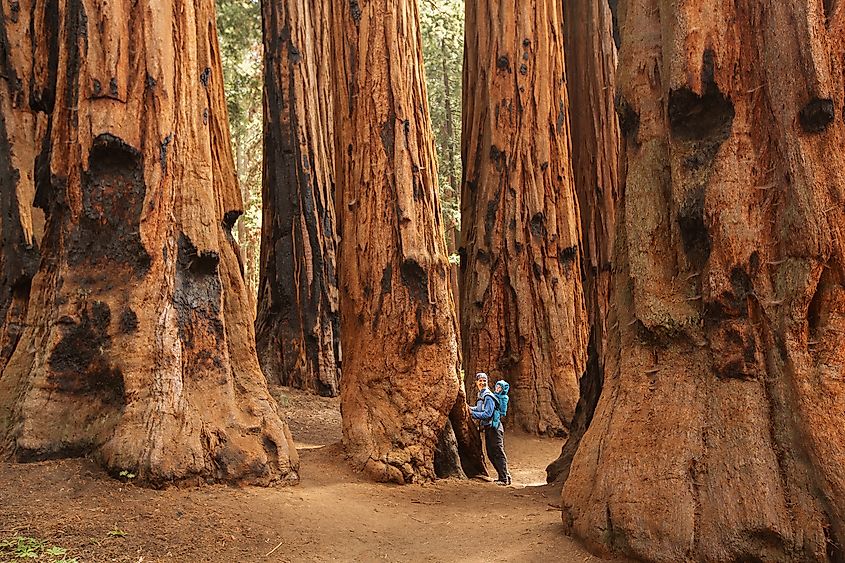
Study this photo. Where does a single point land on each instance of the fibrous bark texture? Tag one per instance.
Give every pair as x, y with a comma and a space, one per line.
720, 433
139, 347
297, 327
398, 328
596, 146
23, 121
522, 311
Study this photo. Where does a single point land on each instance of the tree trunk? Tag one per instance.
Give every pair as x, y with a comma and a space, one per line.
23, 122
522, 311
720, 434
297, 325
139, 344
398, 325
591, 72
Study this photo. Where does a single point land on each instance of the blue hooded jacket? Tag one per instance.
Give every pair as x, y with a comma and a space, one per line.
486, 409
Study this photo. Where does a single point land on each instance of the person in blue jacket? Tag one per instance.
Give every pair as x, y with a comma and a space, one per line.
486, 411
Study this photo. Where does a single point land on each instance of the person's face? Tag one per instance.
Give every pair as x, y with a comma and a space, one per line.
480, 384
498, 388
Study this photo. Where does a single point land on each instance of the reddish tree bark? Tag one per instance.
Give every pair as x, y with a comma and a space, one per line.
139, 345
398, 329
522, 311
720, 434
298, 321
23, 122
596, 146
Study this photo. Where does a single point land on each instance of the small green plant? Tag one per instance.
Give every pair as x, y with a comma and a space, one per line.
23, 548
116, 533
128, 475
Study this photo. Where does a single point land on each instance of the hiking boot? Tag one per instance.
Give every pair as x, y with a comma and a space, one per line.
502, 483
509, 480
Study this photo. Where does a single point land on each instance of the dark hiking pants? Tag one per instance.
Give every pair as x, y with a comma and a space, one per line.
495, 440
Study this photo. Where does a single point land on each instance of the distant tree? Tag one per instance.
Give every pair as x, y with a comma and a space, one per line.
398, 328
298, 320
720, 432
138, 347
522, 310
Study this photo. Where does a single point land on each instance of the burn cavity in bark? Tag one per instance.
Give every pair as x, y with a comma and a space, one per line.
816, 115
79, 364
229, 220
537, 225
503, 63
128, 321
568, 254
197, 296
387, 279
742, 288
706, 116
355, 10
163, 155
629, 119
694, 233
414, 277
113, 194
199, 263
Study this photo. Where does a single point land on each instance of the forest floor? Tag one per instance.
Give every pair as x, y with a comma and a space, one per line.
333, 515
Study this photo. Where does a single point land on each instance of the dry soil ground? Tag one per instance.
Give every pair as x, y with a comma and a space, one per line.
333, 515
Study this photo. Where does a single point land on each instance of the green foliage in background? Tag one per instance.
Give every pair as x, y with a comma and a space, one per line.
239, 29
442, 24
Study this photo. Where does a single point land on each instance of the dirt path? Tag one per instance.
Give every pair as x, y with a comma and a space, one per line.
333, 515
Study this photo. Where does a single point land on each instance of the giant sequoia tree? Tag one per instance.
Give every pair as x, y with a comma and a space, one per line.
398, 328
591, 73
297, 324
138, 345
720, 434
22, 125
522, 312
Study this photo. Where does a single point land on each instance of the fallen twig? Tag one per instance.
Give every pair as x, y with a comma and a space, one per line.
269, 553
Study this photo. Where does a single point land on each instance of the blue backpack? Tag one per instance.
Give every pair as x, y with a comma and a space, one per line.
501, 400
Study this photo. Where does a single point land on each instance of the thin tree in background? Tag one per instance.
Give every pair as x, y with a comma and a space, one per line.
596, 148
720, 433
522, 311
139, 348
398, 328
297, 327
